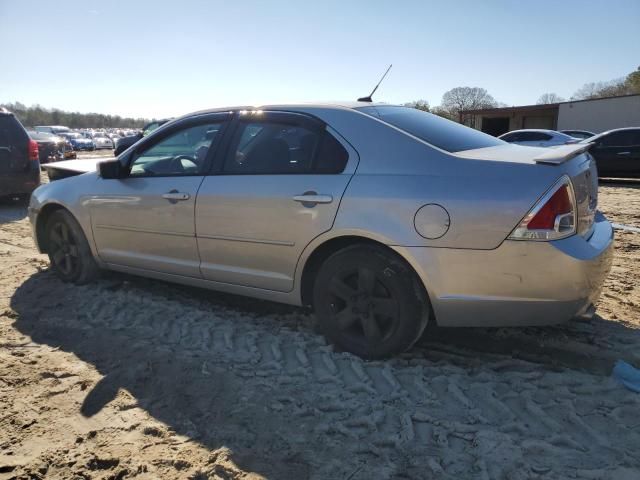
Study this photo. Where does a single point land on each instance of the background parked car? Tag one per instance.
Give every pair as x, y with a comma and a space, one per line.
114, 136
125, 142
55, 129
19, 164
78, 141
537, 138
581, 134
101, 140
52, 148
617, 152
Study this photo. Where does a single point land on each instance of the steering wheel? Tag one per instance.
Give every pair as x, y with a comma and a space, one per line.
176, 162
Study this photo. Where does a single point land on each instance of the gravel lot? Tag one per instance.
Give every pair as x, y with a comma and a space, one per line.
131, 377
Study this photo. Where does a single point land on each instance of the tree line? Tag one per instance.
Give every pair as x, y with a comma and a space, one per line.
460, 99
38, 115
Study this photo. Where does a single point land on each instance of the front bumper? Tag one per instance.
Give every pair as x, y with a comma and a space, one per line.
519, 283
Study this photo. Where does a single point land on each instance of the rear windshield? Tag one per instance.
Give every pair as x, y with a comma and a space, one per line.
435, 130
11, 132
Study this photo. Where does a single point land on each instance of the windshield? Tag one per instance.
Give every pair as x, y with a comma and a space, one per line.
435, 130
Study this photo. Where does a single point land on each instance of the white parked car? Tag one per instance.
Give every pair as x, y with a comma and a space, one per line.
101, 140
538, 138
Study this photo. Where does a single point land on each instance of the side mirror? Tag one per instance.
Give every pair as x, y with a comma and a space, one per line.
111, 169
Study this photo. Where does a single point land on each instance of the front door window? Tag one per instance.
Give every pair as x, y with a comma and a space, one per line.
181, 153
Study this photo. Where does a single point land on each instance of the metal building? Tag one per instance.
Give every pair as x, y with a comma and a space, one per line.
596, 115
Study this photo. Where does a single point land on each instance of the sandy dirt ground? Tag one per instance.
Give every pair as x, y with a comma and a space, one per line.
134, 378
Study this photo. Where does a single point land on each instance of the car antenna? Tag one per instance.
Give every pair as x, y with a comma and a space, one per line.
369, 99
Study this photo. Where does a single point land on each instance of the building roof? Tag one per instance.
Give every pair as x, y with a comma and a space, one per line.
543, 106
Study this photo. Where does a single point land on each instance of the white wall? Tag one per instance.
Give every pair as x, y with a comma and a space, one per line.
600, 115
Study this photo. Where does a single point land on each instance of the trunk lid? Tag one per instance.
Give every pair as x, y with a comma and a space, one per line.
573, 160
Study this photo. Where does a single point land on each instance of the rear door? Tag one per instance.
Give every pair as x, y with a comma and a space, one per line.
618, 153
276, 189
146, 220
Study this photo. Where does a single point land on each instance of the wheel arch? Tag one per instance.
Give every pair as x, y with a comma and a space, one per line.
41, 223
332, 245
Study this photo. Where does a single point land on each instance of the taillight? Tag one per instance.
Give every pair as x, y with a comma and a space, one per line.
552, 218
33, 150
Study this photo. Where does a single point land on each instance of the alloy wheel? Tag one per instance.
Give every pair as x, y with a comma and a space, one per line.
63, 248
362, 305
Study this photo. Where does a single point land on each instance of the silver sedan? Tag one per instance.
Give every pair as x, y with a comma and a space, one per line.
383, 218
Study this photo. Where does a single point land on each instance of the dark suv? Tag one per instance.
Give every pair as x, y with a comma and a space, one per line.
19, 164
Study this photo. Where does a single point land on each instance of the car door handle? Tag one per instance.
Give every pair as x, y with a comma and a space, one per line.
175, 196
624, 153
313, 198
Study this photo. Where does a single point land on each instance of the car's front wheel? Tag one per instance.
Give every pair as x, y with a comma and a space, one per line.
369, 302
69, 252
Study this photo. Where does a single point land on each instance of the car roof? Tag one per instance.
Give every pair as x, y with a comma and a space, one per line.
619, 130
538, 130
338, 105
612, 131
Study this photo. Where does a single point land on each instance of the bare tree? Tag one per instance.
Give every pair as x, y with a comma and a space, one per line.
459, 99
549, 98
593, 90
420, 105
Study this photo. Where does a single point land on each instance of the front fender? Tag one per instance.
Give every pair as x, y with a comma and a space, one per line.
68, 193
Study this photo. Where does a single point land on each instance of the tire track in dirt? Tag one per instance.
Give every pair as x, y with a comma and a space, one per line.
391, 411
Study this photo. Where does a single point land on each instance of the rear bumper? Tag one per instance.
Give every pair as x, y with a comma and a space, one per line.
20, 184
517, 284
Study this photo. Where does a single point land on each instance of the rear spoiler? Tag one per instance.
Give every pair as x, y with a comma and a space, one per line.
563, 153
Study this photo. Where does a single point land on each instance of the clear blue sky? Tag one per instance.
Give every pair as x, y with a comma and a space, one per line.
160, 58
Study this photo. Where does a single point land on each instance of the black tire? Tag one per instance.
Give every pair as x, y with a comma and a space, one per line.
69, 252
369, 302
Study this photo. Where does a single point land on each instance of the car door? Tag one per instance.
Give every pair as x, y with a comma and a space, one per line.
614, 153
146, 220
628, 154
276, 189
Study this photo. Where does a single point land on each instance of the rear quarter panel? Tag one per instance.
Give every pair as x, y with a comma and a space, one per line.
398, 174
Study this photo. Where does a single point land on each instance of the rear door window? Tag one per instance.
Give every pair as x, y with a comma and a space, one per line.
284, 144
510, 137
435, 130
533, 137
269, 148
624, 138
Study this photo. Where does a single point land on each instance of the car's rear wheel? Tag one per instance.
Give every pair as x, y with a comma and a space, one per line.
369, 302
69, 253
